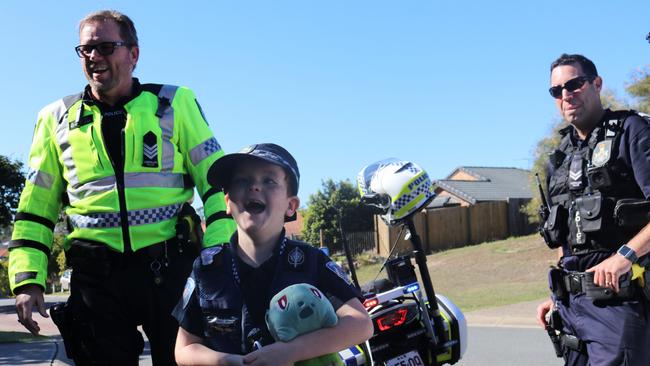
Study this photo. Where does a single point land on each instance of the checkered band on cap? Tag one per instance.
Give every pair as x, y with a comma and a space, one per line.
276, 158
135, 217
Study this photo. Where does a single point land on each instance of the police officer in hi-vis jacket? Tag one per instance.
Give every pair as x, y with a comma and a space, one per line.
122, 159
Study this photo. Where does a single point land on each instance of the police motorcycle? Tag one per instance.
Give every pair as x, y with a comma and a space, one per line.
408, 328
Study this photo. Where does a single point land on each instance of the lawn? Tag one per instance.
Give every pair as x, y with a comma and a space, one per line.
487, 275
20, 337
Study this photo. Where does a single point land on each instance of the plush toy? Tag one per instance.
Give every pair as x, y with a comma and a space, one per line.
300, 309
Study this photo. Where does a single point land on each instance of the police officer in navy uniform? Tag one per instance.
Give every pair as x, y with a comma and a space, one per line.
222, 311
599, 186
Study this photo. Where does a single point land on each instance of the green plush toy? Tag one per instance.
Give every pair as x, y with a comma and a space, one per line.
300, 309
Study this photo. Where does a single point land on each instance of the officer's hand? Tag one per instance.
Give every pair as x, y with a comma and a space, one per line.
233, 360
542, 310
276, 354
607, 272
30, 296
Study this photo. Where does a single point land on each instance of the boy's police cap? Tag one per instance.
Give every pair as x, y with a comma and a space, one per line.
220, 173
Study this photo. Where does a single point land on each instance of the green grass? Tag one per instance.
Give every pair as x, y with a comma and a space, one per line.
487, 275
20, 337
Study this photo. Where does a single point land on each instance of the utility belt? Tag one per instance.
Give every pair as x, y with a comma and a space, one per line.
92, 251
98, 260
564, 283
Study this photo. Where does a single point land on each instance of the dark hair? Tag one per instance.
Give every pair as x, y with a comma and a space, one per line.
127, 29
588, 67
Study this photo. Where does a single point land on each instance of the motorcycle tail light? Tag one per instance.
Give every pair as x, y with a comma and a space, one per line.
391, 320
370, 303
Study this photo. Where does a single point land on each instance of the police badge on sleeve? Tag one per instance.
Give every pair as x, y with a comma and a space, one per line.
188, 290
334, 267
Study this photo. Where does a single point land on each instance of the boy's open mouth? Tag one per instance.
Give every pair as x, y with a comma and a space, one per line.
255, 207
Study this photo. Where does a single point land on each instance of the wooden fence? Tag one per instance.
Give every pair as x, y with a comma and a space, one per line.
453, 227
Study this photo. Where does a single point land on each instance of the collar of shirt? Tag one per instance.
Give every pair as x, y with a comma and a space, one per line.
242, 269
89, 98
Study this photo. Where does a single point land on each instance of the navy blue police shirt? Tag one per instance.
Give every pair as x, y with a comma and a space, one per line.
255, 286
634, 154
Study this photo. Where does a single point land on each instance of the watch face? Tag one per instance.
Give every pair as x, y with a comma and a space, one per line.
627, 252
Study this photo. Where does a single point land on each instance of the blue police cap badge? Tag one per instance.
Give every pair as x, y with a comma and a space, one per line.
334, 267
296, 257
188, 291
207, 254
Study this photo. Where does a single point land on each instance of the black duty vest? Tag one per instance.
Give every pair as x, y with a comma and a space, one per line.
587, 184
227, 324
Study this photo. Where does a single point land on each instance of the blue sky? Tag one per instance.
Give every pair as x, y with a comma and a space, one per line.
340, 84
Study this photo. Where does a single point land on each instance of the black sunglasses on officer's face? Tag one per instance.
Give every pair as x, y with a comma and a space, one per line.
104, 48
571, 86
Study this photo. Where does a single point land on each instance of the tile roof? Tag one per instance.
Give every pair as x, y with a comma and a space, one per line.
491, 184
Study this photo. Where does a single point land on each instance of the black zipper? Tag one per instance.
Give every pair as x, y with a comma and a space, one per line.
119, 182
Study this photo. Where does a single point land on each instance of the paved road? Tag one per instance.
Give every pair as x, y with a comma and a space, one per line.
40, 353
505, 336
503, 346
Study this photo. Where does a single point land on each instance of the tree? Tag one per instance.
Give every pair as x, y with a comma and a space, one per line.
56, 263
638, 88
326, 206
12, 181
4, 279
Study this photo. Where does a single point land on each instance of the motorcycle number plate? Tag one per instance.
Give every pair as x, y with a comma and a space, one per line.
411, 358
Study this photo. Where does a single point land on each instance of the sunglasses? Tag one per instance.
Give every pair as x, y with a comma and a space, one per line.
571, 86
104, 48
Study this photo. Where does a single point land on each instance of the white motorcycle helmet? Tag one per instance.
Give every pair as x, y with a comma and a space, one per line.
398, 188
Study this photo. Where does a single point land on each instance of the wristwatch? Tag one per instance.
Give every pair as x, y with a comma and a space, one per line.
628, 253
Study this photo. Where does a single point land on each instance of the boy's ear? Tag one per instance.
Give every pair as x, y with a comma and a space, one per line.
228, 211
294, 203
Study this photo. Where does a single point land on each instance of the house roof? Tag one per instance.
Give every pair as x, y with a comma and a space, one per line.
294, 228
4, 250
489, 184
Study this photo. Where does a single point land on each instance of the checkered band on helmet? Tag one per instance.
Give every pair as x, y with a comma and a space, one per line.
407, 185
405, 199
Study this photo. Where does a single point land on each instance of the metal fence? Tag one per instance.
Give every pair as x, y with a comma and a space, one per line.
361, 241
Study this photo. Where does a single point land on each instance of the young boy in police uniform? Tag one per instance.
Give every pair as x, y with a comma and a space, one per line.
221, 314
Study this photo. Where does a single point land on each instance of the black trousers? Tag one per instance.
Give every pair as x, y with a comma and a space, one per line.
113, 293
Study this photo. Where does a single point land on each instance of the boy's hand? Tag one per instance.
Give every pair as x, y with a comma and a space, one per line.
276, 354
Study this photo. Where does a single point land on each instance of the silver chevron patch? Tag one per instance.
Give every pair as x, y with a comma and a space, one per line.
150, 151
575, 175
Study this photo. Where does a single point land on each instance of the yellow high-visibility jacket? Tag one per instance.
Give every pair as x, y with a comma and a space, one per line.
168, 148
